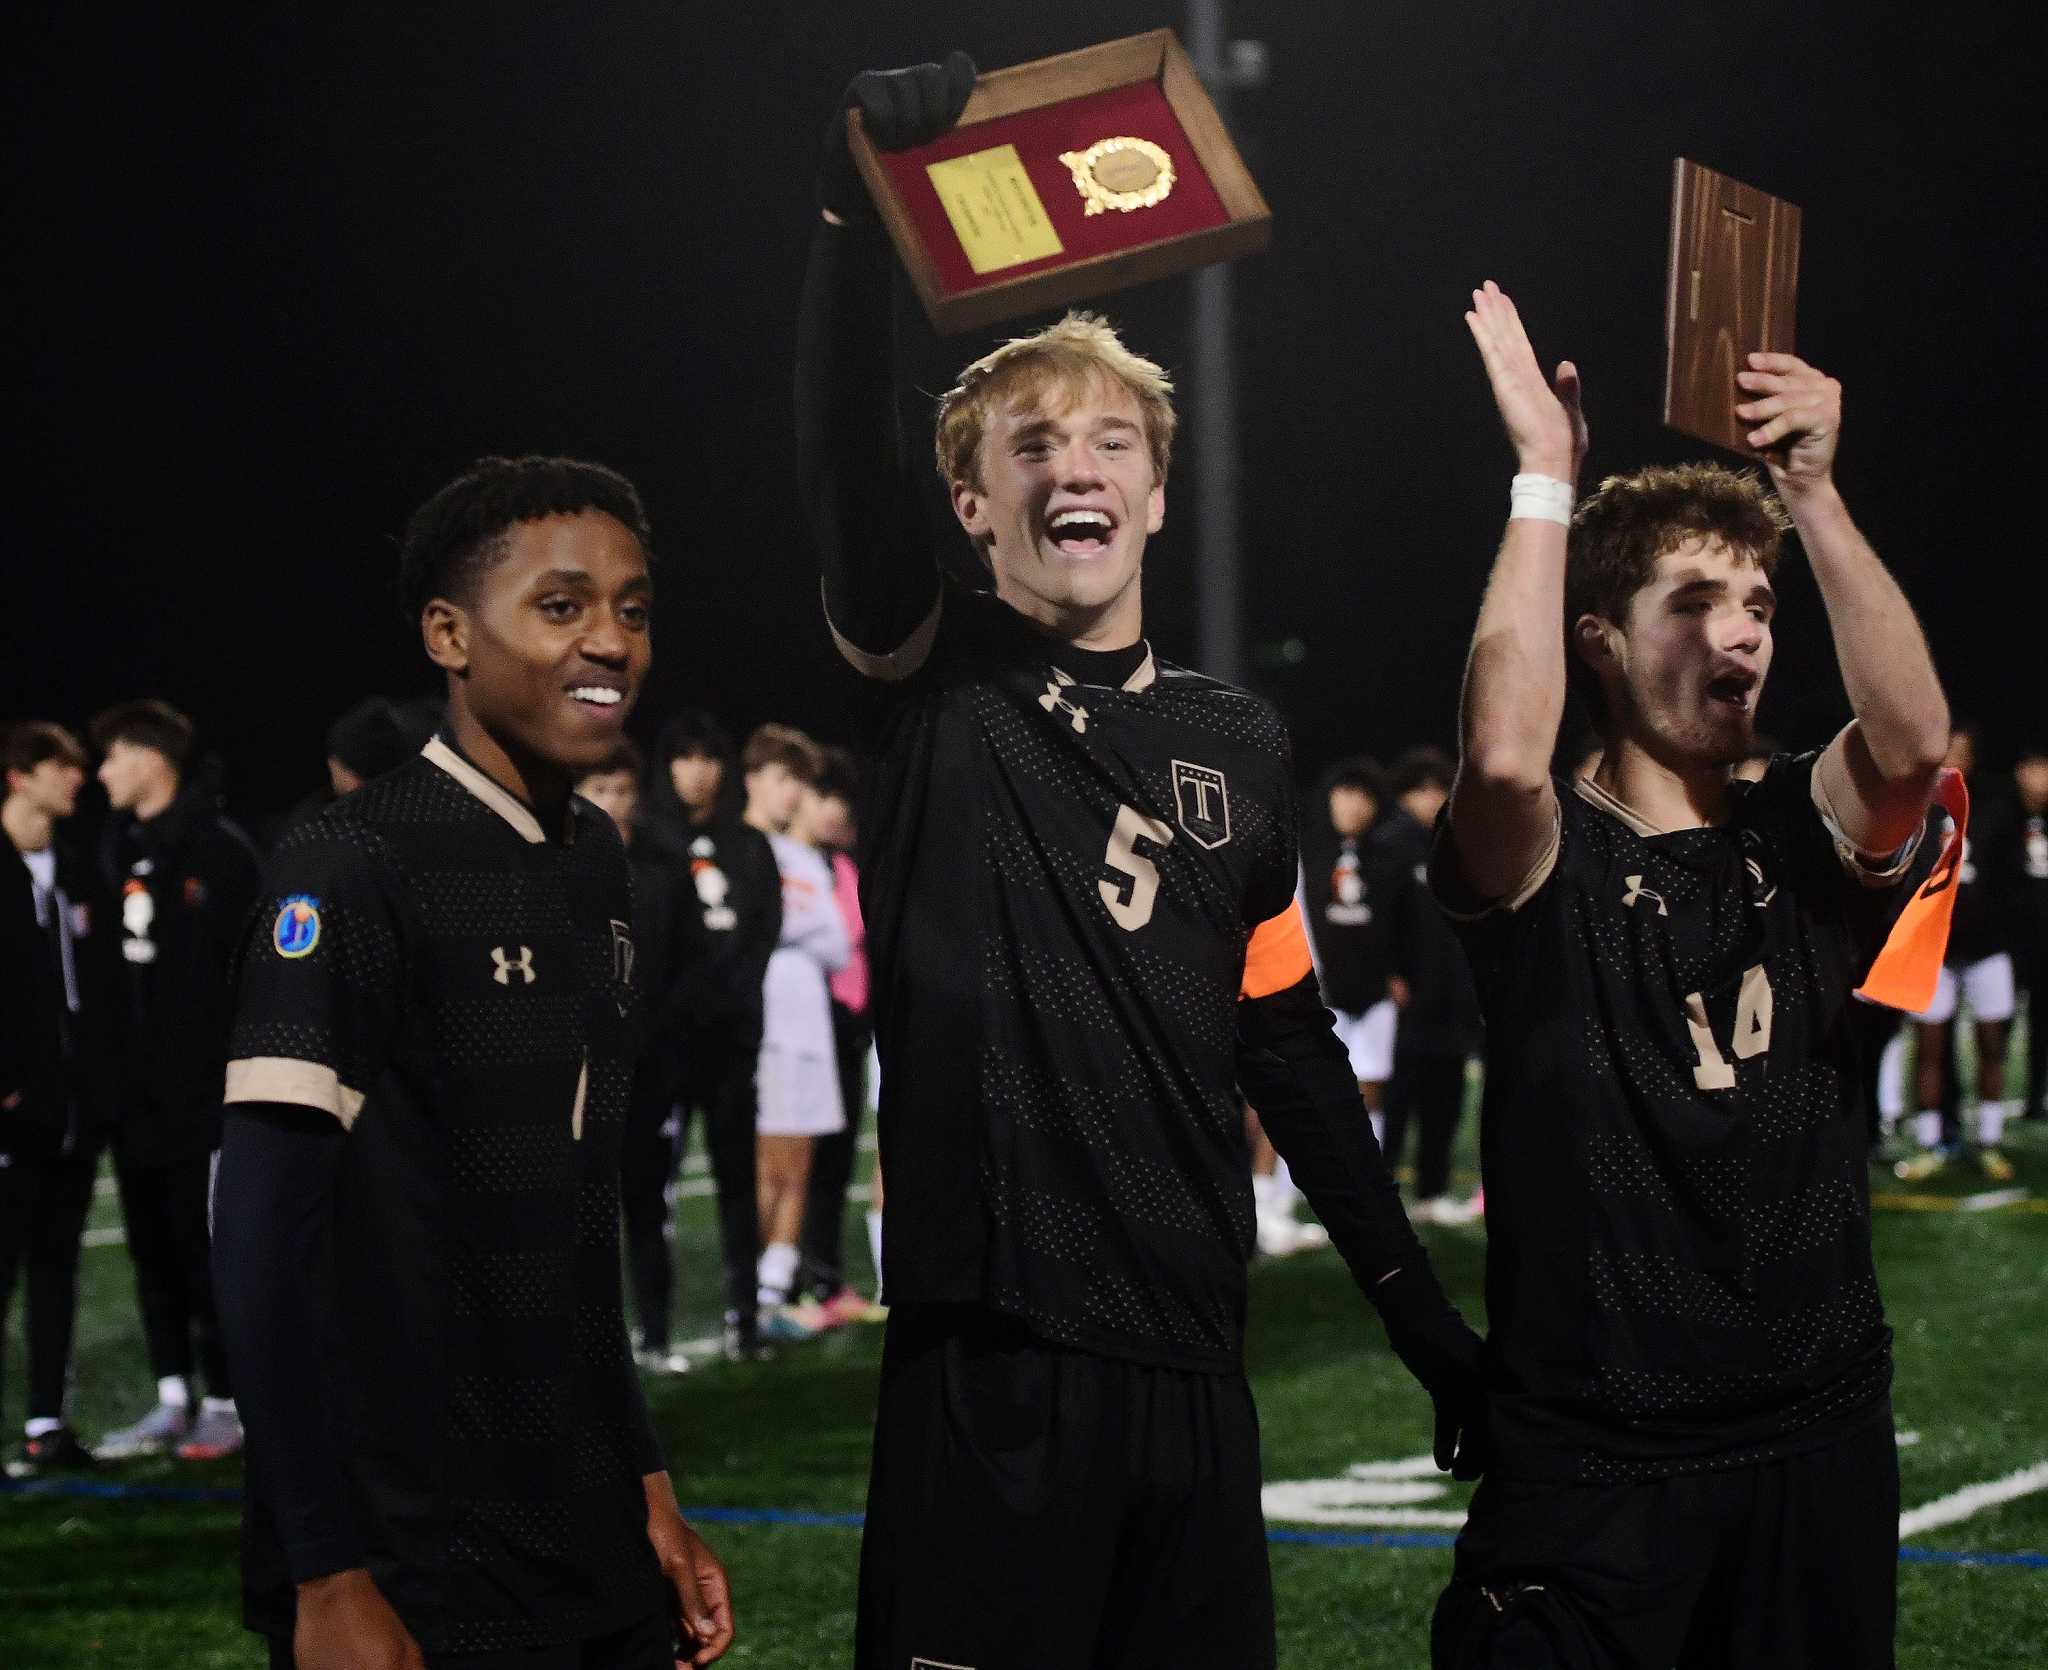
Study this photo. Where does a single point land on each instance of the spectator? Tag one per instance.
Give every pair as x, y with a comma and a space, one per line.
187, 878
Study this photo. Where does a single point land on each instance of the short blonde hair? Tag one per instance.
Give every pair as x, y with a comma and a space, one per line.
1081, 351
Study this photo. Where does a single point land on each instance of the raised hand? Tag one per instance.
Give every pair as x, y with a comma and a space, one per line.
1544, 420
898, 108
1798, 420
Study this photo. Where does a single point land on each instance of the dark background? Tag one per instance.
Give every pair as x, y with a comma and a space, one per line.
273, 278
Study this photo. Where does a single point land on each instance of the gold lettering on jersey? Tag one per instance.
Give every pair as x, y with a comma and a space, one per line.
1202, 803
1637, 891
507, 966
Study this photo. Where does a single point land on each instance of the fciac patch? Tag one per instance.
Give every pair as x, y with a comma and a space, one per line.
297, 929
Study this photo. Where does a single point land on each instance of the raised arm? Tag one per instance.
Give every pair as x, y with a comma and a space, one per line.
1878, 774
1503, 809
855, 466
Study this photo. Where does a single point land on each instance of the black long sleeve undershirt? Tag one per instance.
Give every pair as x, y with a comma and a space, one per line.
854, 465
275, 1281
1295, 1074
280, 1317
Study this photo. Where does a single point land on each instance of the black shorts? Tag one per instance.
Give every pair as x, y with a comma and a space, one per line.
1791, 1564
1035, 1508
648, 1645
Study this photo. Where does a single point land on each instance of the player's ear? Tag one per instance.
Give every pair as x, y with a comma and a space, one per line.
1155, 508
1594, 642
444, 629
971, 509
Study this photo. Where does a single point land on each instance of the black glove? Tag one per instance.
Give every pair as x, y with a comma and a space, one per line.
1436, 1345
898, 108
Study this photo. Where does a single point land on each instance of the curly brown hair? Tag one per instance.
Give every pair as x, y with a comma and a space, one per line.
1621, 529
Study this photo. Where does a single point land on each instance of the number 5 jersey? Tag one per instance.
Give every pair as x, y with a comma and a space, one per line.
1679, 1271
1068, 886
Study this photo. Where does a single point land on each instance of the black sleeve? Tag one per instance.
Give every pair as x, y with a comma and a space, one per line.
760, 912
856, 468
274, 1279
1296, 1076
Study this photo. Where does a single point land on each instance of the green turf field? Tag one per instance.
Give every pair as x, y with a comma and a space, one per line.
134, 1581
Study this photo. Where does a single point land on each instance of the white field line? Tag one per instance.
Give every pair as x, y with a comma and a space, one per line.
1991, 1200
1375, 1493
114, 1237
1974, 1499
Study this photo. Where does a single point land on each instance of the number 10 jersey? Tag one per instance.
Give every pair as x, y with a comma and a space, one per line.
1060, 882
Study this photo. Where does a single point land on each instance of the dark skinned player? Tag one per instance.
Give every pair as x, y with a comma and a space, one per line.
417, 1217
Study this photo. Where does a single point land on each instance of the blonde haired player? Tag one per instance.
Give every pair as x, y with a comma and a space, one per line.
1078, 885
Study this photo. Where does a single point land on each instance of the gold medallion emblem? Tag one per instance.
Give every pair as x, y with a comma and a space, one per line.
1121, 174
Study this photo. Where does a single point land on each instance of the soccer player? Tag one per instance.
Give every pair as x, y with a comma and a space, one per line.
1689, 1363
187, 878
1439, 1031
1977, 975
418, 1204
59, 1046
1078, 886
799, 1077
665, 932
1350, 881
739, 892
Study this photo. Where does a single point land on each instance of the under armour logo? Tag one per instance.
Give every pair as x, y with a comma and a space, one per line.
1636, 890
522, 965
1055, 697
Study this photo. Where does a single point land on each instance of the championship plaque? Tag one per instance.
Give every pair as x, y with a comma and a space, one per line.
1730, 285
1066, 179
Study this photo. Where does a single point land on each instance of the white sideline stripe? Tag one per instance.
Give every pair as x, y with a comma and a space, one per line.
115, 1237
1974, 1499
1906, 1440
1411, 1467
1991, 1200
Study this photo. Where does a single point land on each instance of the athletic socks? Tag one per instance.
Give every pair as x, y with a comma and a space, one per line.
875, 1246
1990, 1123
775, 1271
1927, 1127
40, 1426
1891, 1083
173, 1393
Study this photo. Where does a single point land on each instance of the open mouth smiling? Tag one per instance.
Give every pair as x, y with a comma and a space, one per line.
1081, 530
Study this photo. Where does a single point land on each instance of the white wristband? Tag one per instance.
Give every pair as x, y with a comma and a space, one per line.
1541, 497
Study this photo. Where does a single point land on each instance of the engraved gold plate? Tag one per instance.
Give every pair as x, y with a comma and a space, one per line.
1120, 173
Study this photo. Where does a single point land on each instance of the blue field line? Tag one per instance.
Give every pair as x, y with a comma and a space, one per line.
97, 1490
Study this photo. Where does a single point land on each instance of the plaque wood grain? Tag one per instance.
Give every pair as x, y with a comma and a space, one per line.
1155, 56
1731, 284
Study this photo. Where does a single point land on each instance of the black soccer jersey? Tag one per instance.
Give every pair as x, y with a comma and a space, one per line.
460, 992
1679, 1271
1060, 881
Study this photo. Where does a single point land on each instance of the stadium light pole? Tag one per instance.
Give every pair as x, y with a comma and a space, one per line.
1224, 65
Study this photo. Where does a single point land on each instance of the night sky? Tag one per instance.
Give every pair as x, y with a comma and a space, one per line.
272, 278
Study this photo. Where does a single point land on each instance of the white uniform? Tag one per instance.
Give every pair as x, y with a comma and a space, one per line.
799, 1072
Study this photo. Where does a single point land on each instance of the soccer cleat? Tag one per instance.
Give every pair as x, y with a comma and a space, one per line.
1921, 1166
786, 1324
215, 1436
743, 1343
662, 1362
847, 1306
49, 1452
163, 1427
1995, 1165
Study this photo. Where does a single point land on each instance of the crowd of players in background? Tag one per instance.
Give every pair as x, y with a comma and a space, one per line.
118, 971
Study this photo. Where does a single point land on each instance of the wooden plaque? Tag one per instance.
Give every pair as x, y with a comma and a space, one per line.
1048, 190
1730, 289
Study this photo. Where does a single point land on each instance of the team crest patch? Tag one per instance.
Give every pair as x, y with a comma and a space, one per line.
297, 929
1201, 803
